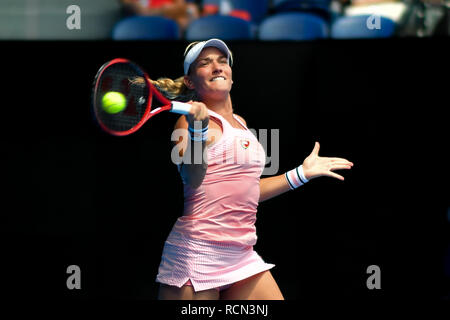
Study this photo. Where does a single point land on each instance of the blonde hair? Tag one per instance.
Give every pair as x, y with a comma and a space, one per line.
171, 89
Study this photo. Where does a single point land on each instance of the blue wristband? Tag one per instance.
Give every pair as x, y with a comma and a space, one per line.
198, 134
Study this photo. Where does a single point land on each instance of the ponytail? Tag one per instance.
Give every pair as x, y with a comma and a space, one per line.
171, 89
174, 89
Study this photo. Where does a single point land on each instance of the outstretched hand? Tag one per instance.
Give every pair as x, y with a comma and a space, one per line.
315, 166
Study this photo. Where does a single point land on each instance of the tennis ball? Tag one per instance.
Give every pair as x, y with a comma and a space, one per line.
113, 102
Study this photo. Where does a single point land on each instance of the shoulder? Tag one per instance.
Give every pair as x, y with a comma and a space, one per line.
240, 118
181, 122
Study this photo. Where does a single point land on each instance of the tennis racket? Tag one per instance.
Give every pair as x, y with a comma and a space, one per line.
125, 77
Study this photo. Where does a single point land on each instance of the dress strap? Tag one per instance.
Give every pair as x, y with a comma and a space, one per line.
225, 122
240, 121
222, 119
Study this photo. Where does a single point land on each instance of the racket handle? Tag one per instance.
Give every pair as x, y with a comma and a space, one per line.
180, 107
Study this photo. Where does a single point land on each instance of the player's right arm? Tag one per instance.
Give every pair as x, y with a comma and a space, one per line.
194, 165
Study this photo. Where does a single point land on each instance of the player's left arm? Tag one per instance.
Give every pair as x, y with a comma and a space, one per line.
312, 167
272, 186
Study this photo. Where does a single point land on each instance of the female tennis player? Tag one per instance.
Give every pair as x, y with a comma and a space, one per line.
209, 251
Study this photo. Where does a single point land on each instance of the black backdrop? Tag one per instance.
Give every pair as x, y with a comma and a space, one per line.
73, 195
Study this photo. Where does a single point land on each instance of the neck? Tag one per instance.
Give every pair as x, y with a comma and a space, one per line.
222, 107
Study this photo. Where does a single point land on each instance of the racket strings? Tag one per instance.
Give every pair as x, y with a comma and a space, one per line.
123, 78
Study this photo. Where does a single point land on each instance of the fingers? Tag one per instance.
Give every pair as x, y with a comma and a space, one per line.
342, 164
340, 167
198, 112
315, 151
316, 148
202, 113
339, 161
335, 175
335, 161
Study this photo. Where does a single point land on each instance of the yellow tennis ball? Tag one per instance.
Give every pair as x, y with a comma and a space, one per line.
113, 102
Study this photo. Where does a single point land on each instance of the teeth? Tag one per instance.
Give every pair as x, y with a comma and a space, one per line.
218, 78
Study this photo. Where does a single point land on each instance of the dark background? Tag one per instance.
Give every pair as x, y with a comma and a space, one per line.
74, 195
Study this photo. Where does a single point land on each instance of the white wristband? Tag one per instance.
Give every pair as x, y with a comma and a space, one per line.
296, 177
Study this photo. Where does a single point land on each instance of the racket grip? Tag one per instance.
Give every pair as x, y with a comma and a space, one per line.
180, 107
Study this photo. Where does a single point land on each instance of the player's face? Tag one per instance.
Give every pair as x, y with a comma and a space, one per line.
211, 76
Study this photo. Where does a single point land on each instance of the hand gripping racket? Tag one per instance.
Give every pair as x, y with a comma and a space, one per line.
126, 79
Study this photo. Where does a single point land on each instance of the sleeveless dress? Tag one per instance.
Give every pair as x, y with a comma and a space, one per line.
211, 244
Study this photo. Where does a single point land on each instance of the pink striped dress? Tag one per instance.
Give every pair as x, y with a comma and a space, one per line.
211, 244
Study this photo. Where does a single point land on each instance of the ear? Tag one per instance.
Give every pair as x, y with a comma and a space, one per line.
188, 82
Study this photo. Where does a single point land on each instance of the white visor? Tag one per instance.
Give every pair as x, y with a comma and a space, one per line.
198, 47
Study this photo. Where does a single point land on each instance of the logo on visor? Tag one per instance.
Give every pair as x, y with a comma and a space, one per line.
245, 144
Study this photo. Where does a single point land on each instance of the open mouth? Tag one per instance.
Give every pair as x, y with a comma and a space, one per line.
219, 78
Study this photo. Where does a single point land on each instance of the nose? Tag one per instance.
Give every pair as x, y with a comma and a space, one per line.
217, 67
